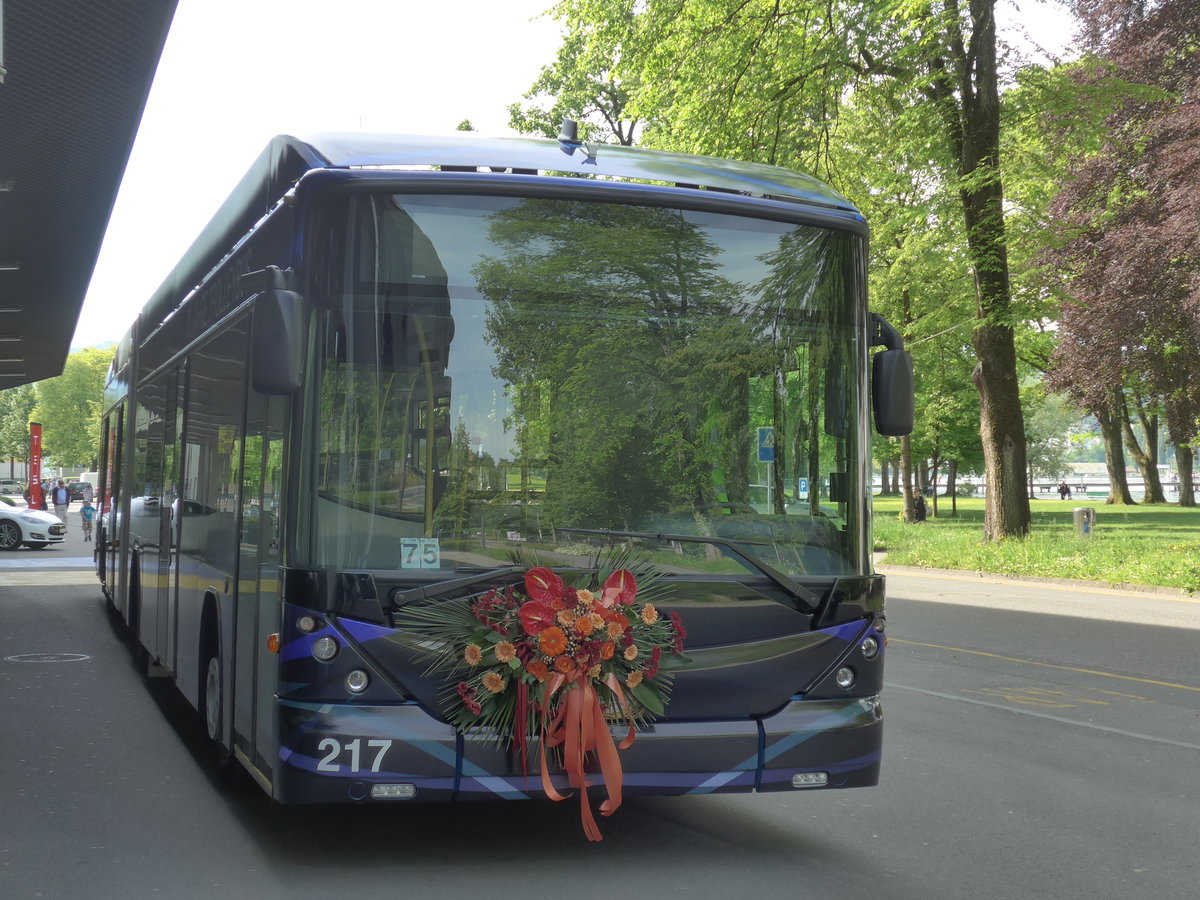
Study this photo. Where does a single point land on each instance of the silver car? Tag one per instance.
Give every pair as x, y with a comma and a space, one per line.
31, 527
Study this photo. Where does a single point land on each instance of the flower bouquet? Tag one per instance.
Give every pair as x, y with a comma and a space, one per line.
557, 662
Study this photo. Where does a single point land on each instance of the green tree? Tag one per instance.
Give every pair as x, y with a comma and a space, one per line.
16, 407
69, 406
1129, 263
583, 82
767, 80
1051, 417
947, 432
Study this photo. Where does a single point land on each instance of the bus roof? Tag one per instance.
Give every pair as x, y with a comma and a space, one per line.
543, 156
287, 158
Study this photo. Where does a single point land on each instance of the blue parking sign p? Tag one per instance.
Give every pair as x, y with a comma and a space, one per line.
766, 444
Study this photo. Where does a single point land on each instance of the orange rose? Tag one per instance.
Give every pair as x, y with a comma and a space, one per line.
607, 649
564, 664
552, 641
473, 654
584, 625
537, 669
505, 652
493, 682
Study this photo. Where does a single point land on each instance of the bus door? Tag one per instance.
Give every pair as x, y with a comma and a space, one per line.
170, 520
107, 534
258, 590
145, 517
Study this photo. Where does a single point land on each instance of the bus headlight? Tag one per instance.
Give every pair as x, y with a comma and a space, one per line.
357, 681
844, 677
869, 647
325, 648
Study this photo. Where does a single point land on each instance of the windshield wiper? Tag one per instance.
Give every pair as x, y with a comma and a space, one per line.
809, 602
443, 588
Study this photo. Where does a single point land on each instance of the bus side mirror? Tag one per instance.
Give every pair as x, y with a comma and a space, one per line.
892, 391
277, 337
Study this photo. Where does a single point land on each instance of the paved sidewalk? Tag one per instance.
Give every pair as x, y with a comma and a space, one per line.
68, 563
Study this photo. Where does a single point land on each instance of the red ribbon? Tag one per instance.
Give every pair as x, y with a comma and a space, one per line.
579, 726
521, 738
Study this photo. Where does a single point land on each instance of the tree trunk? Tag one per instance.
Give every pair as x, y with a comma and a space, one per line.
952, 486
906, 467
883, 476
1185, 459
1114, 458
933, 473
1002, 429
778, 469
1147, 460
971, 97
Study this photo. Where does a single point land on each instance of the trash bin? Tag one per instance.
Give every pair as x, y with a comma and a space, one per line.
1085, 521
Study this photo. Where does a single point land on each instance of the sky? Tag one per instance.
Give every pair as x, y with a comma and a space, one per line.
234, 73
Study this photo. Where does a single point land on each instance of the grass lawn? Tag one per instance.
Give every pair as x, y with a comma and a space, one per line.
1149, 545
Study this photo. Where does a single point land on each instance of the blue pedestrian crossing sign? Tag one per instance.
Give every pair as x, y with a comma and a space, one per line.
766, 445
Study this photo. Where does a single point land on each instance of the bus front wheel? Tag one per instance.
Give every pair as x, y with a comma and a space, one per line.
211, 698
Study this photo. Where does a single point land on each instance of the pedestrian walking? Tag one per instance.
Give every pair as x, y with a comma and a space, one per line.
87, 513
61, 498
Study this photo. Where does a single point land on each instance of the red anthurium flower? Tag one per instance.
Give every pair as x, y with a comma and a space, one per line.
543, 585
537, 617
619, 587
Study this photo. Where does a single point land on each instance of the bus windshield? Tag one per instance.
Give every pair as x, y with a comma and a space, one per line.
504, 373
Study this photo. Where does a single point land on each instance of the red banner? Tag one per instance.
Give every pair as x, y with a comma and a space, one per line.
36, 501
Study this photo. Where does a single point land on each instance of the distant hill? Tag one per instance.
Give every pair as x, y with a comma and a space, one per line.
103, 346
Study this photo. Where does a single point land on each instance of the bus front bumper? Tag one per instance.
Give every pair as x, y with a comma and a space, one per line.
342, 753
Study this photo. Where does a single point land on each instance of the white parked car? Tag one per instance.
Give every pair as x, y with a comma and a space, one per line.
31, 527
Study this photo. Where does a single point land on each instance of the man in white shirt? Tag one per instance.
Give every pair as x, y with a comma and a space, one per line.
61, 498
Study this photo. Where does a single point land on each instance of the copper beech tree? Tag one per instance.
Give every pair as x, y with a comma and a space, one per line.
1130, 328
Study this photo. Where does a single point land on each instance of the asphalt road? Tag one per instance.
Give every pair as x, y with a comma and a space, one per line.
1041, 741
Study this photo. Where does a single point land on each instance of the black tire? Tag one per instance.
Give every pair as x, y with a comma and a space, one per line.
100, 555
141, 656
10, 535
212, 714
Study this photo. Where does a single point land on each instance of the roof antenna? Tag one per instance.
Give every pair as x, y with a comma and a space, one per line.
569, 134
569, 142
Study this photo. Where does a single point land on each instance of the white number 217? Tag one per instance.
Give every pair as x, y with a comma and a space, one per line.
334, 749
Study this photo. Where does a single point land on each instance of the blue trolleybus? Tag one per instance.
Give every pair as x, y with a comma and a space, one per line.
389, 363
